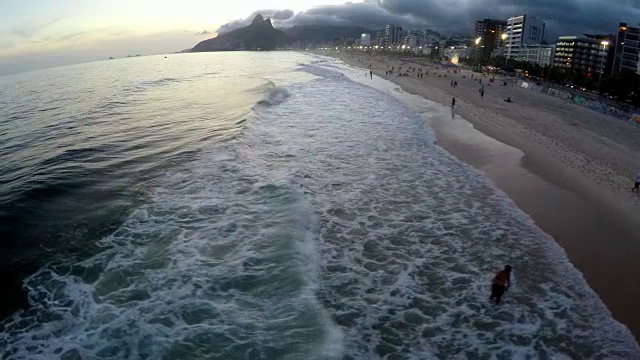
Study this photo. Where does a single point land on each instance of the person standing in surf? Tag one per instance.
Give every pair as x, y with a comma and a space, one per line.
453, 103
501, 283
636, 186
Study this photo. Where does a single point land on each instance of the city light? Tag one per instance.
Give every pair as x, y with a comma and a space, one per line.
503, 36
478, 41
605, 43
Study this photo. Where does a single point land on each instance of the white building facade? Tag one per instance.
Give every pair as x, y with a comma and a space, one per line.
411, 41
542, 55
365, 39
521, 31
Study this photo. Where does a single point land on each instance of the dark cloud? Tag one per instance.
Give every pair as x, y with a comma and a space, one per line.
274, 15
563, 17
366, 14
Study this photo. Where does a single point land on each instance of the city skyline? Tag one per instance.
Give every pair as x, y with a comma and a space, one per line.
48, 33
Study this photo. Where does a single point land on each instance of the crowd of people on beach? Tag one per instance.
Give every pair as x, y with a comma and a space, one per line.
501, 280
435, 70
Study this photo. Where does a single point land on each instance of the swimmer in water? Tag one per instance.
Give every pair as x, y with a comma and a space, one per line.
501, 283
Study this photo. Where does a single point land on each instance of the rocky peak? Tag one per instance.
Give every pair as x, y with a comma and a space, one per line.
258, 20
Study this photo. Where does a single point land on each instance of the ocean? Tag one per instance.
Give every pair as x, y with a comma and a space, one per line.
265, 206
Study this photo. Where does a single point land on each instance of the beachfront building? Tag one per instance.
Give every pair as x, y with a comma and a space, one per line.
521, 31
410, 41
389, 35
542, 55
582, 53
413, 40
365, 39
607, 42
400, 35
393, 35
488, 35
627, 49
380, 39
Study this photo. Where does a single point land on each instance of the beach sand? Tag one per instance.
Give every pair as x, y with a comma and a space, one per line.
570, 168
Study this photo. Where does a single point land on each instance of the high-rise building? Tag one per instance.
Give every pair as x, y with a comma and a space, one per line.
488, 35
585, 54
389, 35
418, 36
627, 49
365, 39
393, 35
608, 46
380, 38
522, 30
399, 35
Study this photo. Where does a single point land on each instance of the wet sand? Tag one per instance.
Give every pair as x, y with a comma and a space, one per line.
570, 168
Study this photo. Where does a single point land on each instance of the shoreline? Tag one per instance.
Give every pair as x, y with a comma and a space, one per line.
561, 179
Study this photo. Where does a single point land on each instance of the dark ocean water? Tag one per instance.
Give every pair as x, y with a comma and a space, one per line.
264, 206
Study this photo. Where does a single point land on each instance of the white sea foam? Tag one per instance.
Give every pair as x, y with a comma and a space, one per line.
332, 227
221, 263
275, 96
556, 305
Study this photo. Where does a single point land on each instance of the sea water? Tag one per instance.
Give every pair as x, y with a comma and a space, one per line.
265, 206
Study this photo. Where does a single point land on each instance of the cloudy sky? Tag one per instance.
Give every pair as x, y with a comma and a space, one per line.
42, 33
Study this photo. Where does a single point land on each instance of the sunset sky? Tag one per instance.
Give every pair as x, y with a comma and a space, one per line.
40, 33
43, 33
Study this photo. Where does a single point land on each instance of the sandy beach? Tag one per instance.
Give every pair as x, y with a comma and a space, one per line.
570, 168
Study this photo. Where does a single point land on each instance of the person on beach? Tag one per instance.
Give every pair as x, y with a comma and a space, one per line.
371, 74
455, 84
453, 103
500, 284
636, 186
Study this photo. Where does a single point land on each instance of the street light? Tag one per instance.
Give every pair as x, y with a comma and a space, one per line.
478, 41
604, 44
504, 37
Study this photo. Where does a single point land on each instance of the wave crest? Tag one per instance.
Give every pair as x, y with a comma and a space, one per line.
276, 96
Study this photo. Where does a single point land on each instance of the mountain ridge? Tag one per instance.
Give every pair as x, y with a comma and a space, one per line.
259, 35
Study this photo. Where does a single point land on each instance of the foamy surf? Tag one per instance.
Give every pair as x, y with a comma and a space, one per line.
329, 227
567, 298
221, 262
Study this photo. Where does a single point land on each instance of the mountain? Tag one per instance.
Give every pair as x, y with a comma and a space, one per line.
260, 35
323, 33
